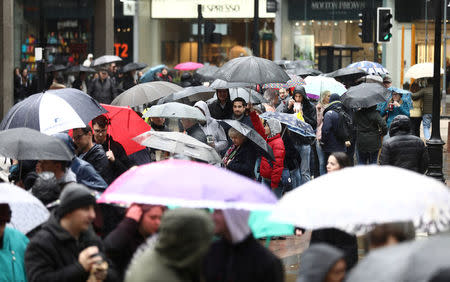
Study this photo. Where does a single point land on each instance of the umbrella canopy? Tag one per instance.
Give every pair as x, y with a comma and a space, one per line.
188, 184
29, 144
124, 124
421, 71
315, 85
365, 95
411, 261
80, 68
106, 59
370, 67
293, 82
53, 111
188, 66
222, 84
27, 212
175, 110
253, 136
348, 73
52, 68
190, 94
178, 143
303, 72
206, 73
262, 226
145, 93
371, 78
249, 95
292, 122
149, 75
350, 206
133, 66
253, 70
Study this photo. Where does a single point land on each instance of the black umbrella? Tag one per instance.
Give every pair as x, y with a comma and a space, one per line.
253, 136
249, 95
29, 144
80, 68
133, 66
365, 95
52, 68
253, 70
205, 73
189, 95
222, 84
53, 111
302, 71
349, 74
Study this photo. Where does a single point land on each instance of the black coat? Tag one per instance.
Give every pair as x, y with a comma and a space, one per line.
370, 127
128, 82
403, 149
218, 113
103, 91
96, 156
244, 160
122, 242
247, 261
196, 132
122, 163
331, 142
52, 254
309, 111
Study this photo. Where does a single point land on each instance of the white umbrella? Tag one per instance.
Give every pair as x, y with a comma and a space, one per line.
106, 59
355, 198
178, 143
317, 84
27, 212
421, 70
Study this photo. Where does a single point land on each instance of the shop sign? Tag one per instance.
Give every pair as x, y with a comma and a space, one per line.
327, 9
187, 9
121, 50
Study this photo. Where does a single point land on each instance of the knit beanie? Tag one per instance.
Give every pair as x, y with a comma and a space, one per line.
334, 97
74, 196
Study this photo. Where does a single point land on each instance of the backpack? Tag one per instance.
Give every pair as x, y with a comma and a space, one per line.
345, 126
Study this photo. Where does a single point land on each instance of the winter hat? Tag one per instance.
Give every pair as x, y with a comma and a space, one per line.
5, 213
275, 126
74, 196
334, 97
317, 261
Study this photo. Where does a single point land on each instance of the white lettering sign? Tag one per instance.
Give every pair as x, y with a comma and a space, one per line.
187, 9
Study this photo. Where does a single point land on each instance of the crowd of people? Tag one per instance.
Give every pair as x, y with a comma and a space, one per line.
85, 241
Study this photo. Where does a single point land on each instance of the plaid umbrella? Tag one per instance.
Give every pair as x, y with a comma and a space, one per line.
291, 83
292, 122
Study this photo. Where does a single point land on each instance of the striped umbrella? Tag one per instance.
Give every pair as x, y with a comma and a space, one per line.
291, 83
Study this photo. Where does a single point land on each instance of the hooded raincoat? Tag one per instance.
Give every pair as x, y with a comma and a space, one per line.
184, 238
213, 128
274, 140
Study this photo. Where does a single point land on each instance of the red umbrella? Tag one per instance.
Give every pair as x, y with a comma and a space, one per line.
125, 124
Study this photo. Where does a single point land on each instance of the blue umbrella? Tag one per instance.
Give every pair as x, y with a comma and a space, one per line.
149, 75
370, 67
406, 98
292, 122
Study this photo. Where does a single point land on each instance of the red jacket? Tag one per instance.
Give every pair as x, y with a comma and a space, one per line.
274, 173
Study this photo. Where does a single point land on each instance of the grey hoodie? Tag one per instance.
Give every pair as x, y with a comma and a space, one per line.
317, 261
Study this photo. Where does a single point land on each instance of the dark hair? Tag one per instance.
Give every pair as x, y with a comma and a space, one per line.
401, 231
101, 121
5, 213
240, 99
86, 129
342, 159
146, 207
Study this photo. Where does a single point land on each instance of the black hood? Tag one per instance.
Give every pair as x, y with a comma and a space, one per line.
300, 89
400, 126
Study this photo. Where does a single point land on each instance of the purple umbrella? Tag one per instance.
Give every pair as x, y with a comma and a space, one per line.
188, 184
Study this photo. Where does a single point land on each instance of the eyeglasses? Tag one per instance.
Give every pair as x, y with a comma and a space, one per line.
100, 131
78, 137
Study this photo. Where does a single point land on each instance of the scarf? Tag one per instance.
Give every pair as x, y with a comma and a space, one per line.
230, 154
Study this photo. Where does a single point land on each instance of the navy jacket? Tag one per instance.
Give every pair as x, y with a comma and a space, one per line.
329, 130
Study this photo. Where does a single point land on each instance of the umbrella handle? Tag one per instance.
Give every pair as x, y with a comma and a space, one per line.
284, 130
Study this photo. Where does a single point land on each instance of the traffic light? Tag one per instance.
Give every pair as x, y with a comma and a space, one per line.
211, 36
384, 25
366, 26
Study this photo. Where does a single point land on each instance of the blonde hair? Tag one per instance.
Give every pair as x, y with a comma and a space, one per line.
324, 95
234, 133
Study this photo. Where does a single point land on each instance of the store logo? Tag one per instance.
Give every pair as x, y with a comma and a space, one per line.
221, 8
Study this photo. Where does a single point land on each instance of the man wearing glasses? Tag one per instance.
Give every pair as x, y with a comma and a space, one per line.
115, 152
91, 152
